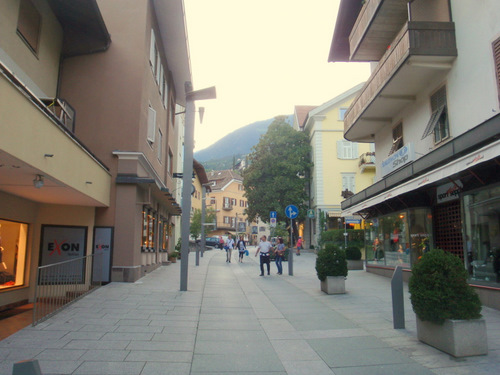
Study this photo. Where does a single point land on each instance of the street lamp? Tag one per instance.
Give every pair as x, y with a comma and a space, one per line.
191, 96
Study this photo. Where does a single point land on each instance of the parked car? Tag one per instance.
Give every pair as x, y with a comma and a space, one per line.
212, 241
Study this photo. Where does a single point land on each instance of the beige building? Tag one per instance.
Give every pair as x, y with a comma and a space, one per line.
226, 198
88, 134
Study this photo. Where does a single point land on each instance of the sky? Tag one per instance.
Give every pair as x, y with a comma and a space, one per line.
264, 57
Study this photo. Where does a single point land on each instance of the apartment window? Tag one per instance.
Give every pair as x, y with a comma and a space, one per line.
29, 24
153, 52
226, 219
164, 91
397, 138
170, 162
496, 57
227, 203
151, 124
347, 150
159, 149
234, 202
348, 182
438, 123
342, 112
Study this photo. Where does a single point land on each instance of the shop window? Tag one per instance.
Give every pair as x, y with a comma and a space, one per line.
13, 238
482, 235
398, 239
28, 24
148, 229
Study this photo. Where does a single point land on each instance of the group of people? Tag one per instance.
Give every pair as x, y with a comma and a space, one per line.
265, 248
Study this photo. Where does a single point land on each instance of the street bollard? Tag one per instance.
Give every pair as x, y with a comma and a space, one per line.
28, 367
398, 305
290, 262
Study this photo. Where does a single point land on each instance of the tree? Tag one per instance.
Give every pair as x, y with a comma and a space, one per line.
278, 172
195, 227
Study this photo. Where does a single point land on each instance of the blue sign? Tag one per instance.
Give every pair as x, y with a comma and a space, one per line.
291, 211
273, 214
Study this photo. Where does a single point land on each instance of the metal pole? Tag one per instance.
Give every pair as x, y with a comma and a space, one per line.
203, 214
290, 252
186, 186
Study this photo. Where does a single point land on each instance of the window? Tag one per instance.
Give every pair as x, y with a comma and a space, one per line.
148, 229
164, 91
233, 222
234, 202
151, 125
348, 182
397, 138
13, 239
438, 123
226, 219
347, 150
159, 150
342, 112
496, 58
227, 203
28, 24
153, 52
170, 166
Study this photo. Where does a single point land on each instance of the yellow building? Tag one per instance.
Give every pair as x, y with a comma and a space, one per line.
226, 198
341, 168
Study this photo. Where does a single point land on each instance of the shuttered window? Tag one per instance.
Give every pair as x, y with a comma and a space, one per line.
151, 125
496, 57
347, 150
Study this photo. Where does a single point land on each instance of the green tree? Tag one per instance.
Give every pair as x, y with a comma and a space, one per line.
195, 227
278, 173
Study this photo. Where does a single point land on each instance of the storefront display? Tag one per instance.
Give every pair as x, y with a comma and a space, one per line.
13, 237
482, 235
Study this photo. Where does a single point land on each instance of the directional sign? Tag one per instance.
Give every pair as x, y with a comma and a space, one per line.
291, 211
273, 214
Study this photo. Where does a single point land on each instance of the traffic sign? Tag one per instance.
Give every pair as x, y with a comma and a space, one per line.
273, 214
272, 223
291, 211
310, 214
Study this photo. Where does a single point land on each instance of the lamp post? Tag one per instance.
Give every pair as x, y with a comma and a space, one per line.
191, 96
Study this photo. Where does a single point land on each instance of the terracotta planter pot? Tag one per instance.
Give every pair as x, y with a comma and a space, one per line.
333, 285
460, 338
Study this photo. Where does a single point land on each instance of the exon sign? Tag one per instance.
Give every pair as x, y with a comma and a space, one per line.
401, 157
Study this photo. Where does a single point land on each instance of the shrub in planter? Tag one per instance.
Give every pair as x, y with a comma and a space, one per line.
353, 253
331, 261
439, 289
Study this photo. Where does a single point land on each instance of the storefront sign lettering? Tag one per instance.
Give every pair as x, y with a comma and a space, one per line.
401, 157
448, 192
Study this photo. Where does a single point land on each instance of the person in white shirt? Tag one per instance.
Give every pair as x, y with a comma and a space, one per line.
265, 252
229, 250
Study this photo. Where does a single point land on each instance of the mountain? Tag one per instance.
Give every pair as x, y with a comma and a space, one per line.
240, 143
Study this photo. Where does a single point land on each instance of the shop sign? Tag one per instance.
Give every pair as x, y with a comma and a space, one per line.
103, 237
60, 244
401, 157
449, 192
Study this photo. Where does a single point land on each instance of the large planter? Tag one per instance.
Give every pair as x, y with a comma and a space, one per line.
355, 264
460, 338
333, 285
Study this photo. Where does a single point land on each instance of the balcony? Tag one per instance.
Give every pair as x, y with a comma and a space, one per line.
421, 53
227, 207
367, 162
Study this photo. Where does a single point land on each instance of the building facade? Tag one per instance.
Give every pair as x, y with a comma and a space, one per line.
345, 168
88, 134
431, 106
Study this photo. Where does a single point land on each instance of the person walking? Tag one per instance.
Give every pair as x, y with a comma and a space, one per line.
280, 252
240, 245
221, 242
299, 245
229, 248
265, 252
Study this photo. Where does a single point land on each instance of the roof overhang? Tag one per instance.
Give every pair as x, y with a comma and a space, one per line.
84, 29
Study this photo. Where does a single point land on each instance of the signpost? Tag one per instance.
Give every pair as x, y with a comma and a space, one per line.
291, 212
273, 217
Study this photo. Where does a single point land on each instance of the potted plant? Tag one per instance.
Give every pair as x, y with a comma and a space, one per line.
173, 256
448, 309
353, 255
331, 267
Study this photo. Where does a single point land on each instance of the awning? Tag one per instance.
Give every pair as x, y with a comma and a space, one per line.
486, 153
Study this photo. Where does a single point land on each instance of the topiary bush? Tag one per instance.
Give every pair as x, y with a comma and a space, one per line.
439, 289
331, 261
353, 253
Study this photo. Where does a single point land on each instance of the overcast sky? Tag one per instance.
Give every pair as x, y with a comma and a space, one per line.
264, 57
